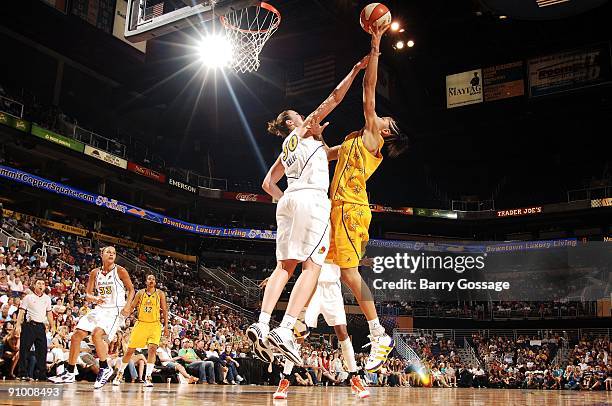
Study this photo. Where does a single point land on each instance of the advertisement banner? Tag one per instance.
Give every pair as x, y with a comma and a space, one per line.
126, 208
569, 70
15, 122
146, 172
182, 185
448, 214
247, 197
131, 244
106, 157
377, 208
464, 88
503, 81
57, 139
607, 202
524, 211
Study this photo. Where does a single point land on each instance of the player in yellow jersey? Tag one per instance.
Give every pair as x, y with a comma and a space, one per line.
359, 156
152, 315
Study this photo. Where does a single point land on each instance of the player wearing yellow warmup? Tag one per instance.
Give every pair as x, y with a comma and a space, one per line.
152, 315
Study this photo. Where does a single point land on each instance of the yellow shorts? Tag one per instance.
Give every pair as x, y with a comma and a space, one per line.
349, 233
144, 334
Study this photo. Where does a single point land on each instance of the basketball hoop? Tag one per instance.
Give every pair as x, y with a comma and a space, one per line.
248, 30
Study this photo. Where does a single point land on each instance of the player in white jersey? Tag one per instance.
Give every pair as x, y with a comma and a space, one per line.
111, 284
302, 216
327, 300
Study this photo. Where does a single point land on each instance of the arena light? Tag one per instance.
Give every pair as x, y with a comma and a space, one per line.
215, 51
395, 26
410, 43
402, 30
502, 17
399, 45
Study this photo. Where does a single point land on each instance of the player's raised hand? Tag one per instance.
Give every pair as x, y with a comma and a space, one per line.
316, 129
377, 33
363, 63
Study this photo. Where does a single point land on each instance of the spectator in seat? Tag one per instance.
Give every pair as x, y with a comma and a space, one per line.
167, 360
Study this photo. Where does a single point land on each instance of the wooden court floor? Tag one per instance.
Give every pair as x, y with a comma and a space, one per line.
175, 394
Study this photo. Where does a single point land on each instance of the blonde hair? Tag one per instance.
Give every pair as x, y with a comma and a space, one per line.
278, 126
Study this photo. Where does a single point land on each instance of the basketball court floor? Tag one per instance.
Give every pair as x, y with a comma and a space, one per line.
175, 394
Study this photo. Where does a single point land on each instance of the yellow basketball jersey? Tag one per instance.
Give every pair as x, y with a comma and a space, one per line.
149, 307
355, 166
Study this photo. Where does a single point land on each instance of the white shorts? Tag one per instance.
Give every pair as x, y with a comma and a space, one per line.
302, 220
108, 319
327, 300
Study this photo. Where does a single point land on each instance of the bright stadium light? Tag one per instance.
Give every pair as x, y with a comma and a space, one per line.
394, 26
410, 44
399, 45
215, 51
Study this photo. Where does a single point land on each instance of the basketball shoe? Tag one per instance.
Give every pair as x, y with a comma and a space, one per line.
118, 378
380, 348
281, 391
103, 377
358, 388
65, 377
258, 335
148, 382
284, 340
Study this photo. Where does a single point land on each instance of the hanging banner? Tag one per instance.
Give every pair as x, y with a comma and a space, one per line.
183, 186
247, 197
464, 88
569, 70
436, 213
126, 208
503, 81
146, 172
57, 139
106, 157
525, 211
15, 122
377, 208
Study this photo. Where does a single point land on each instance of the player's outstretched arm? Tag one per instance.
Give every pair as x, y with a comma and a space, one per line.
337, 95
371, 135
129, 287
270, 183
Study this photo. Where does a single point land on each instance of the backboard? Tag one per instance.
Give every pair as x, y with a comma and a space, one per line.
148, 19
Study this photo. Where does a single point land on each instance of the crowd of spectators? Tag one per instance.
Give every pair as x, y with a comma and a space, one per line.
207, 343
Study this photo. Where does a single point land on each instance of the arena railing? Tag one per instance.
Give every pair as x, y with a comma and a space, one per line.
97, 141
193, 178
10, 106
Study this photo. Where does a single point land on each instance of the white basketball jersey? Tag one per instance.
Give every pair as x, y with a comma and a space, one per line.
305, 163
110, 288
329, 273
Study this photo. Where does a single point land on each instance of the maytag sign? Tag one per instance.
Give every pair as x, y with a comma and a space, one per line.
106, 157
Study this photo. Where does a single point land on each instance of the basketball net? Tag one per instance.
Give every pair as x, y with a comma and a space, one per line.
248, 30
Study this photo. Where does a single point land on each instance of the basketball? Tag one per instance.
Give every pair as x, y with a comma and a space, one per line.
374, 15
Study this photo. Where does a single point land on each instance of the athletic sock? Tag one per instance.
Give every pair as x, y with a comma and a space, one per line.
349, 355
70, 368
103, 364
150, 369
264, 317
287, 368
376, 329
288, 322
